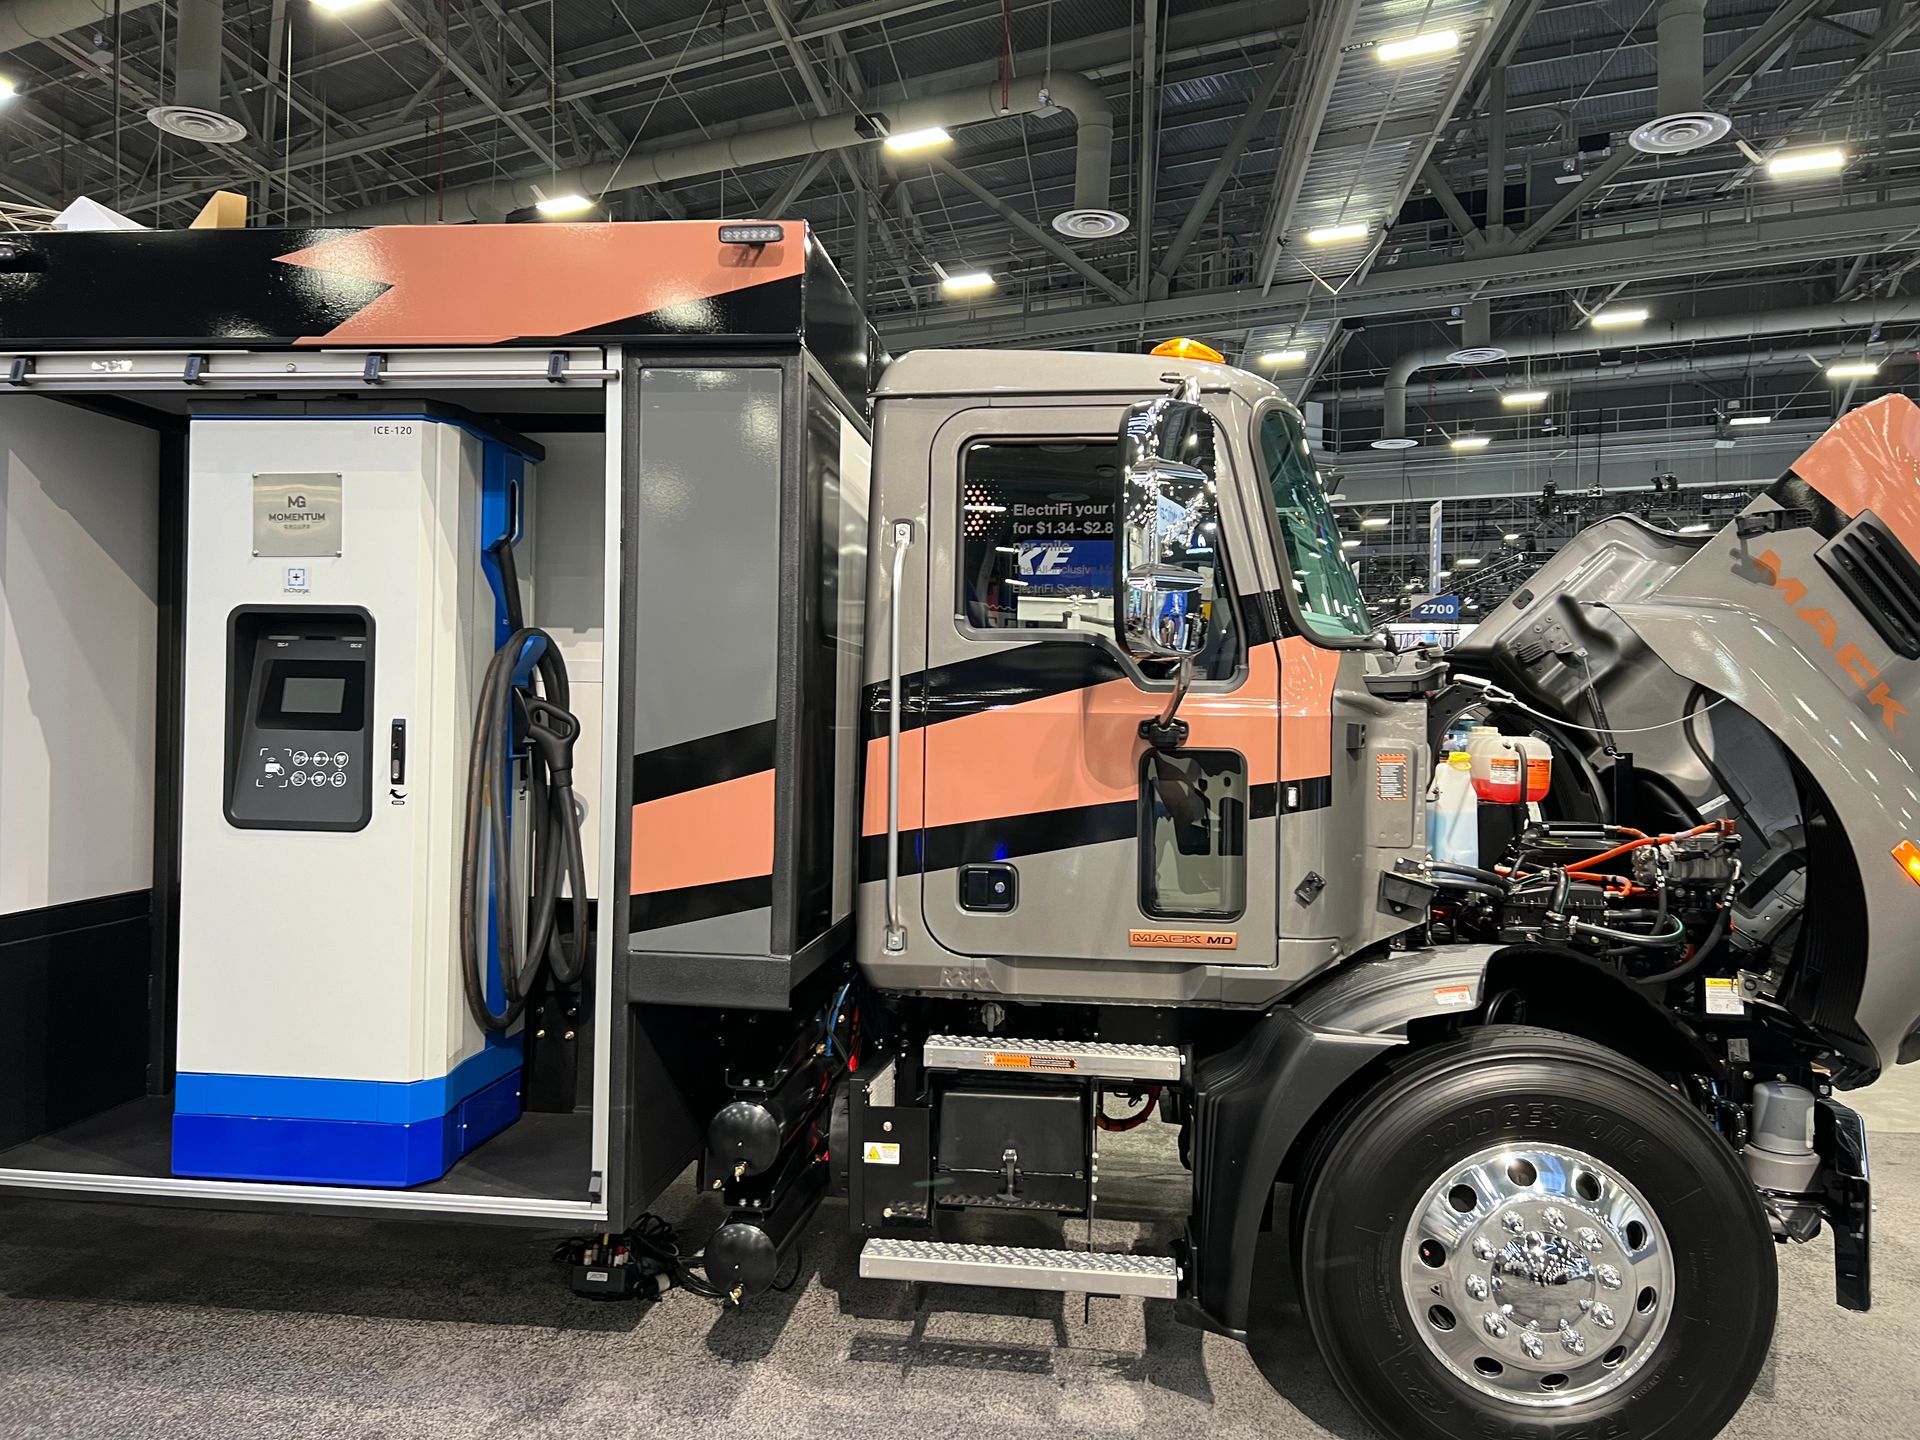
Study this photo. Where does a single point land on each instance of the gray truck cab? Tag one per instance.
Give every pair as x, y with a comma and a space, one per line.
1049, 850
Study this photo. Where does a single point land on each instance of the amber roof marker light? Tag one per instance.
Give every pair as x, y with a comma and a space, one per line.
1184, 349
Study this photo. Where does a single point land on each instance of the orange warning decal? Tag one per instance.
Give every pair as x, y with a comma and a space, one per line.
1183, 939
1006, 1060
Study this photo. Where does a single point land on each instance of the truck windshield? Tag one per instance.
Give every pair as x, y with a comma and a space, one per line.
1329, 596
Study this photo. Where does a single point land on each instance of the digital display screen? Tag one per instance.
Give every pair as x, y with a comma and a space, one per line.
312, 694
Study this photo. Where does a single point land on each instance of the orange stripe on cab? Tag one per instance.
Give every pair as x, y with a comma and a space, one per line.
701, 837
1082, 747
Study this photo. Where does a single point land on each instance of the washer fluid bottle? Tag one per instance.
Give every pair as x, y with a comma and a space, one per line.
1453, 812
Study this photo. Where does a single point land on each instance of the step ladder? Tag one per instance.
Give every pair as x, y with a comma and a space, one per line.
1079, 1059
1004, 1267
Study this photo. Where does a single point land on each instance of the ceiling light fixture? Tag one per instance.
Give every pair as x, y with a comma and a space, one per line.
967, 282
1334, 234
1414, 47
1376, 522
1511, 536
909, 141
1517, 398
552, 204
1853, 369
1806, 162
336, 6
1283, 357
1466, 562
1612, 319
1471, 442
7, 89
1751, 420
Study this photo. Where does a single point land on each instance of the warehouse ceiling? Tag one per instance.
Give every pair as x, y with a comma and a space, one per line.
1276, 177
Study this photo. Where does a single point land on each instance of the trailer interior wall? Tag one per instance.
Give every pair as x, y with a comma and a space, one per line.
79, 621
568, 566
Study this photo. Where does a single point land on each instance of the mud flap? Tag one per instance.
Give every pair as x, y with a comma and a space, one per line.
1840, 1137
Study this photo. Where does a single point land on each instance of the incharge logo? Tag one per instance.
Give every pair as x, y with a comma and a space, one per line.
1848, 656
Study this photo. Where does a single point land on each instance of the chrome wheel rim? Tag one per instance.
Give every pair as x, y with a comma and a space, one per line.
1537, 1275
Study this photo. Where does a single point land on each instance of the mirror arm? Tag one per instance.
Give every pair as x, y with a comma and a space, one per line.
1167, 731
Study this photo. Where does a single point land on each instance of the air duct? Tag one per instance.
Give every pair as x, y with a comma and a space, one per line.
747, 149
1716, 367
27, 22
1682, 120
1704, 329
1476, 335
195, 113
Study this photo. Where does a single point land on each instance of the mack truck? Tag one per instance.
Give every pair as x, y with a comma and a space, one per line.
989, 751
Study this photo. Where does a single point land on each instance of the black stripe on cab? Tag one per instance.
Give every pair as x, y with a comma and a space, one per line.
695, 902
979, 842
695, 764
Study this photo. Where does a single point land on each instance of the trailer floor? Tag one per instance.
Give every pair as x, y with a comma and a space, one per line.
117, 1321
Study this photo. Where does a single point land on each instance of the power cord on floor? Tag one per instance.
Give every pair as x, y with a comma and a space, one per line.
644, 1261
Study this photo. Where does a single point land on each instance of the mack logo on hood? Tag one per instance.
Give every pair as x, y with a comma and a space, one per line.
1848, 656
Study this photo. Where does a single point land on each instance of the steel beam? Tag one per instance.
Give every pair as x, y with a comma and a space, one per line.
797, 185
1321, 72
1896, 29
1450, 202
442, 48
1781, 23
1216, 181
1815, 236
1464, 74
1045, 239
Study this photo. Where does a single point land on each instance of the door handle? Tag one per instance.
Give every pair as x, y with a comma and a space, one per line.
896, 936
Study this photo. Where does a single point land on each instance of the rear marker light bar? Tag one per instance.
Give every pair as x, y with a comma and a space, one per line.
752, 234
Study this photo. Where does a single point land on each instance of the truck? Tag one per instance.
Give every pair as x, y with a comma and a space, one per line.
497, 716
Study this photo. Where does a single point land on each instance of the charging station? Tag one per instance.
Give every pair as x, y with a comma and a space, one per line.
339, 615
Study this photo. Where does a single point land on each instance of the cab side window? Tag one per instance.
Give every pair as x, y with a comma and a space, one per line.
1037, 545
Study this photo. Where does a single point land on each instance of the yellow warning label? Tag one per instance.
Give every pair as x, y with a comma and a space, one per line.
881, 1153
1723, 996
1183, 939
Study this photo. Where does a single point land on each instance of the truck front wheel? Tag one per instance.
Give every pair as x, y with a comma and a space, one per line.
1522, 1234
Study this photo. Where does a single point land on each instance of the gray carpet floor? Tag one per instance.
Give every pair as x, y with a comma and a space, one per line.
153, 1323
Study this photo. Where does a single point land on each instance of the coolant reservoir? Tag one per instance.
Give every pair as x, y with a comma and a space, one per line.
1509, 768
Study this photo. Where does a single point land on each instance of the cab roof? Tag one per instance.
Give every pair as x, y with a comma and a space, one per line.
1057, 372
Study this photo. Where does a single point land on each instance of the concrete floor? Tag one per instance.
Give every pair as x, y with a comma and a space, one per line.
118, 1321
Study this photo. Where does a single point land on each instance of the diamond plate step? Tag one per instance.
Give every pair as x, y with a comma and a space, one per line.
1090, 1058
1157, 1277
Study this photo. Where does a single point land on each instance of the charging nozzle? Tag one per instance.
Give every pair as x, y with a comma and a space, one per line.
553, 732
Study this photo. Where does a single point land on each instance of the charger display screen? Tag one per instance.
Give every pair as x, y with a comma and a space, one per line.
316, 694
312, 694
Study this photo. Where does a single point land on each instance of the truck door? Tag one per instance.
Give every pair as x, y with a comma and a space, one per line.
1052, 830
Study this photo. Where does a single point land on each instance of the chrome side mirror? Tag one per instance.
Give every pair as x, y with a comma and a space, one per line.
1168, 508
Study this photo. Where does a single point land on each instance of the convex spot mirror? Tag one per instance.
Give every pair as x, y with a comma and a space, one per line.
1169, 510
